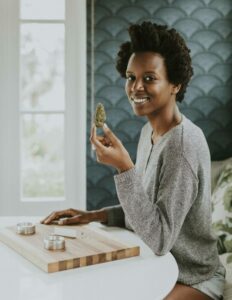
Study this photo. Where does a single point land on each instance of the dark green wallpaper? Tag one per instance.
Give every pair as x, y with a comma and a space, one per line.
207, 27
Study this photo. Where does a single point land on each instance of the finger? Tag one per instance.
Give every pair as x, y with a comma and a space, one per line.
91, 132
100, 138
104, 140
56, 215
94, 133
79, 219
93, 129
51, 216
98, 145
110, 135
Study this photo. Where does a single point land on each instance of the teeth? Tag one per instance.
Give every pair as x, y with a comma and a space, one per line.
140, 100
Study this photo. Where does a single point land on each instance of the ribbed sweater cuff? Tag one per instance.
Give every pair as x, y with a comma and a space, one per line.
125, 176
115, 216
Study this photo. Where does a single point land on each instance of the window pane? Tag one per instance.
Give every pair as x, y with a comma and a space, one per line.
43, 155
42, 9
42, 66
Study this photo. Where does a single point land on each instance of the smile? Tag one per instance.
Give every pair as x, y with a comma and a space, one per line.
140, 100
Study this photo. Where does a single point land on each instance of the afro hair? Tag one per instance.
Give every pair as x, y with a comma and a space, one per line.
168, 43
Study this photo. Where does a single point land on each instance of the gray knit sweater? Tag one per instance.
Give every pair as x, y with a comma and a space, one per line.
166, 197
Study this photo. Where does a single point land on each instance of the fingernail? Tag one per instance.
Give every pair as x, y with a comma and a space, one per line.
93, 147
105, 125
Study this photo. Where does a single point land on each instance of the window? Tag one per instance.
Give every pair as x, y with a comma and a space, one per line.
42, 106
42, 99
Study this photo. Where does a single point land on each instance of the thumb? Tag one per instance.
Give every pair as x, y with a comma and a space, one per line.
110, 135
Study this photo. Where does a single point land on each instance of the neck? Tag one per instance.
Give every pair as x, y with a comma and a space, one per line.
164, 120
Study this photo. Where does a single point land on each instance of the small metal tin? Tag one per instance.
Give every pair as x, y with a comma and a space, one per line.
25, 228
54, 242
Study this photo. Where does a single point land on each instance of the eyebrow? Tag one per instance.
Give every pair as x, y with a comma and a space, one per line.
153, 72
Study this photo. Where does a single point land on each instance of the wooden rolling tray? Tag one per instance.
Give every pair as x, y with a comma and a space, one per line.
88, 248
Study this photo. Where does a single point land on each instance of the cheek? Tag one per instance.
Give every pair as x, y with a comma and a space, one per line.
127, 89
159, 89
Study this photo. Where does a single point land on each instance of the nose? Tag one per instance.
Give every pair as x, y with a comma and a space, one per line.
137, 85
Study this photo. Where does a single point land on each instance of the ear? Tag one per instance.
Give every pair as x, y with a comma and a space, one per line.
175, 89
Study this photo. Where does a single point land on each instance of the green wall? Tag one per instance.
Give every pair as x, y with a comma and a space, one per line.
207, 28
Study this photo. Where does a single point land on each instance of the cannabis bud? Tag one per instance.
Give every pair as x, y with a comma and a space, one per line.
100, 115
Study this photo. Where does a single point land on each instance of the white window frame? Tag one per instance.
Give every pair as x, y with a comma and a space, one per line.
75, 113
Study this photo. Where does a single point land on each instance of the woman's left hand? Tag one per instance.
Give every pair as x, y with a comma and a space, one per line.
110, 150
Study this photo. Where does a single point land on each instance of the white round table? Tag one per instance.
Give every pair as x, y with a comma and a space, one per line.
147, 276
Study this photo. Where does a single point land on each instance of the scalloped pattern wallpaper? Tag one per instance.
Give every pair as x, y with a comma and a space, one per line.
206, 26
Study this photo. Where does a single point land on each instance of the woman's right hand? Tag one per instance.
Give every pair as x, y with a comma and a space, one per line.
73, 216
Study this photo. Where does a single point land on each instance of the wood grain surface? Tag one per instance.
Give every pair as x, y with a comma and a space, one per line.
88, 248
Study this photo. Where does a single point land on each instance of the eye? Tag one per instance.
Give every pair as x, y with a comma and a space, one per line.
149, 78
130, 77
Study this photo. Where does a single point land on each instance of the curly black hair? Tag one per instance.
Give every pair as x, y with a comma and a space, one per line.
168, 43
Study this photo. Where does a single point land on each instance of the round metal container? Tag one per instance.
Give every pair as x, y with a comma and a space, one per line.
25, 228
54, 242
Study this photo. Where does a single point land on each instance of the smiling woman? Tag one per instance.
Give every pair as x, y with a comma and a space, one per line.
165, 197
160, 196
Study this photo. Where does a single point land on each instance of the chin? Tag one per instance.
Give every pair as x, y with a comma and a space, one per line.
141, 112
138, 113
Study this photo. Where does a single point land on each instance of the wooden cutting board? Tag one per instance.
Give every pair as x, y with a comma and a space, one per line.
88, 248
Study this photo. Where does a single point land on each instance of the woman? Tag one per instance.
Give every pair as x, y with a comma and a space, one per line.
165, 197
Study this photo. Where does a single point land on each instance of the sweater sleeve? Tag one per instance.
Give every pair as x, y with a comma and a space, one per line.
158, 221
115, 216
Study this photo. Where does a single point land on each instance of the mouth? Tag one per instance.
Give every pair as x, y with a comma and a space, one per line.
140, 100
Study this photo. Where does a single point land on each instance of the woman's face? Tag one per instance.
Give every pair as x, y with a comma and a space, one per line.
147, 86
